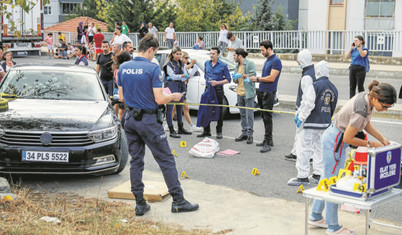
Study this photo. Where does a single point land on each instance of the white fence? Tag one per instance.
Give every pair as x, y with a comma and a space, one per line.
386, 43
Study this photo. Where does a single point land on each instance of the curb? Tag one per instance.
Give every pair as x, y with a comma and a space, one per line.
287, 102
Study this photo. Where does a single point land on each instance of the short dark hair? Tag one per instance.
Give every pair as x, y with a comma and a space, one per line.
99, 29
79, 47
242, 52
216, 49
59, 33
118, 28
105, 41
147, 42
201, 38
229, 35
49, 34
267, 44
126, 43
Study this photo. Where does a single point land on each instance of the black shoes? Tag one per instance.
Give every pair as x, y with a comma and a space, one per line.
265, 148
204, 134
261, 144
241, 138
141, 208
250, 140
219, 135
271, 143
291, 157
173, 133
182, 205
183, 131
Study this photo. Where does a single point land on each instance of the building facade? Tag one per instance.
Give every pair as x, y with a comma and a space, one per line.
58, 10
355, 15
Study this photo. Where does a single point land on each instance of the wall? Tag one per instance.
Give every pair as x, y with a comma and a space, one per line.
336, 17
49, 20
355, 14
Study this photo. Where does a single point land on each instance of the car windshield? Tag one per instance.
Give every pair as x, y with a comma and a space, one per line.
201, 62
35, 84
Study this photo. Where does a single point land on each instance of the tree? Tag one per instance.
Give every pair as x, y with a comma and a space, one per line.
90, 8
265, 20
208, 15
164, 14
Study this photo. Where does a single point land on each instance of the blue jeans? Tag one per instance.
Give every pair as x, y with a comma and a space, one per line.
328, 142
246, 115
108, 85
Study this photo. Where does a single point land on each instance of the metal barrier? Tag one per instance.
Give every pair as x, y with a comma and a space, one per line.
386, 43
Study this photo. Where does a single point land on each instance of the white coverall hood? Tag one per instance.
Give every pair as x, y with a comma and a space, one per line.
304, 58
321, 69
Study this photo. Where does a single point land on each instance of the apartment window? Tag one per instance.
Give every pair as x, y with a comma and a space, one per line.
380, 8
337, 2
47, 10
68, 8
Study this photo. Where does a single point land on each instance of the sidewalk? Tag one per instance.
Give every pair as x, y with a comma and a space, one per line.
227, 211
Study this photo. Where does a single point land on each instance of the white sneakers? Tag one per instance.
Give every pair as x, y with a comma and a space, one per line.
195, 128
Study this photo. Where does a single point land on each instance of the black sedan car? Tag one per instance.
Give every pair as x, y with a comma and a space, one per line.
59, 121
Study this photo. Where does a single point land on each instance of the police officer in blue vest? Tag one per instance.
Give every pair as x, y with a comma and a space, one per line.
304, 59
140, 82
81, 59
315, 113
177, 76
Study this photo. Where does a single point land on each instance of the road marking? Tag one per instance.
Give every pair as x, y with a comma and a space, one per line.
388, 122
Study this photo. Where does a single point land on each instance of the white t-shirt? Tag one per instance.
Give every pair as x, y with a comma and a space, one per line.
91, 31
169, 33
121, 39
153, 30
222, 36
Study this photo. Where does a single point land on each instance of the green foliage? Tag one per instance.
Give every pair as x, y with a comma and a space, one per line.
265, 20
89, 8
208, 15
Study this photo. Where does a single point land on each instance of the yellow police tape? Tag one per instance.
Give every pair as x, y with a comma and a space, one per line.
231, 106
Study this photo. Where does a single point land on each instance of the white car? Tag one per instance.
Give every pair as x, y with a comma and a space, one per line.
197, 83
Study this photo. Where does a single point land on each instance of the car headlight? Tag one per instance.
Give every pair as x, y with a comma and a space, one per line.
104, 134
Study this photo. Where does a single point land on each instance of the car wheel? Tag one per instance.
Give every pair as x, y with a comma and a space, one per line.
225, 110
124, 154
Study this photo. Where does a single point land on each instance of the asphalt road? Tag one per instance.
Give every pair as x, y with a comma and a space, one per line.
234, 171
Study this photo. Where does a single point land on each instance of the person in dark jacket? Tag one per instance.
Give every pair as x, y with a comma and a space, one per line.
143, 30
80, 31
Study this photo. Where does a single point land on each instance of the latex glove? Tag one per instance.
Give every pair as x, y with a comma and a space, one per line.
236, 76
247, 80
298, 122
296, 118
186, 75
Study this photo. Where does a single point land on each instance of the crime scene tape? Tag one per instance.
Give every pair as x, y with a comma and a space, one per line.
238, 107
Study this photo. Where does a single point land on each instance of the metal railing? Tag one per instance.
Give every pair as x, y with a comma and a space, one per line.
386, 43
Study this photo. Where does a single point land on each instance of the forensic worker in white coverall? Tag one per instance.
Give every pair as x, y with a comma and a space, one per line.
308, 77
314, 116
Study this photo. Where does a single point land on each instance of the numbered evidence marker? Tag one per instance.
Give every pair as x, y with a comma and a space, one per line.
332, 180
323, 185
343, 173
183, 144
255, 171
300, 189
360, 187
184, 175
174, 153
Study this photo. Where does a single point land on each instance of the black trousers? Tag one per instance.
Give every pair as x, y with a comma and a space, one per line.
220, 95
357, 75
266, 101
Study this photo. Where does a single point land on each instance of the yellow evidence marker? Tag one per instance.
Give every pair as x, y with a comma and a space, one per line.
174, 153
360, 187
184, 175
343, 173
300, 189
255, 171
183, 144
323, 185
332, 180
